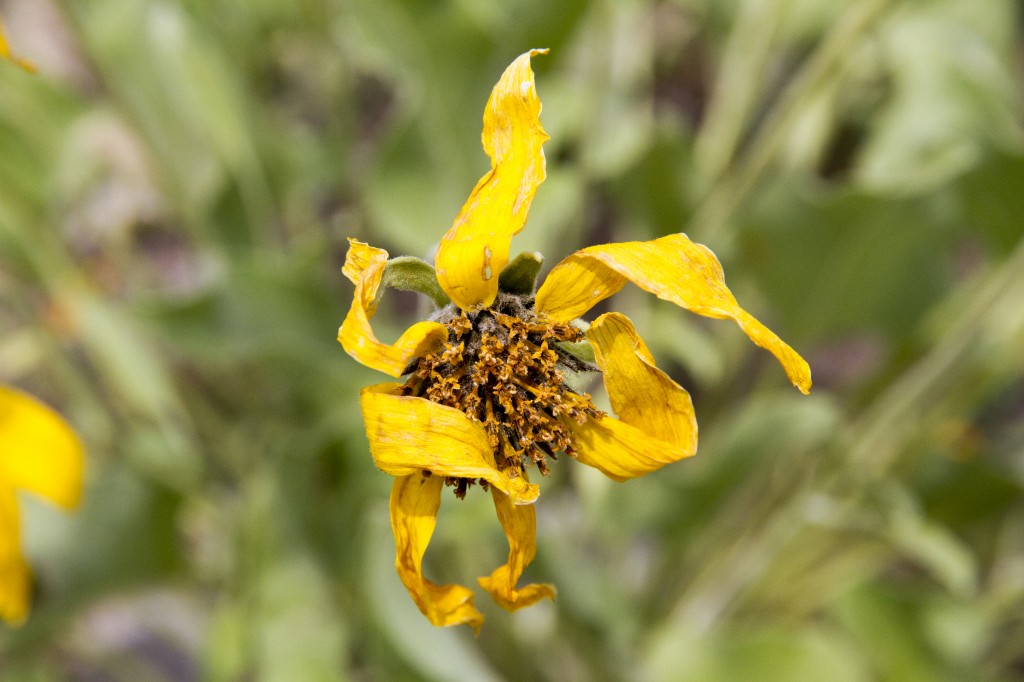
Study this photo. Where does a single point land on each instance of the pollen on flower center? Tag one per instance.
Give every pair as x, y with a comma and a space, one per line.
505, 369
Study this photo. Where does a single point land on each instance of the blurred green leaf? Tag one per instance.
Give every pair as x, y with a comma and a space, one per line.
951, 94
885, 622
993, 201
880, 262
771, 655
932, 545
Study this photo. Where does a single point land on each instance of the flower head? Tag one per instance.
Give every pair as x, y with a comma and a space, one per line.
39, 453
485, 397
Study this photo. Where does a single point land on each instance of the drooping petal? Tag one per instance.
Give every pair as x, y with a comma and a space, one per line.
520, 525
475, 249
640, 393
672, 268
656, 424
5, 53
618, 450
409, 435
38, 450
415, 500
14, 572
364, 267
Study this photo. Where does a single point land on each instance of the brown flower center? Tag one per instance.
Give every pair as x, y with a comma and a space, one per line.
505, 369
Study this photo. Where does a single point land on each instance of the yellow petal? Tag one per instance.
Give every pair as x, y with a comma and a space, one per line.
672, 268
520, 524
414, 503
364, 266
473, 252
640, 393
410, 435
656, 424
5, 53
14, 574
38, 450
618, 450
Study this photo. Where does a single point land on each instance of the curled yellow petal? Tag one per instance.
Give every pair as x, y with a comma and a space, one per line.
473, 252
640, 393
672, 268
619, 450
5, 53
415, 500
656, 424
38, 450
520, 525
409, 435
14, 573
364, 267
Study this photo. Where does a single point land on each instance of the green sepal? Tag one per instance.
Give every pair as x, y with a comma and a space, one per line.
408, 273
520, 275
581, 350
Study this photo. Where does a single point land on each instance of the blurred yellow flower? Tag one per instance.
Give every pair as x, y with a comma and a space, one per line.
485, 396
5, 53
39, 453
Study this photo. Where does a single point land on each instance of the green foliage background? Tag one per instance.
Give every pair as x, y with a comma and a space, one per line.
176, 187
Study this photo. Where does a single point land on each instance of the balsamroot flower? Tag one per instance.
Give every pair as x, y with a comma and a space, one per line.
39, 453
485, 396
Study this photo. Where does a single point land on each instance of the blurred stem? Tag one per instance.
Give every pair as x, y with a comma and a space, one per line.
738, 87
748, 169
892, 420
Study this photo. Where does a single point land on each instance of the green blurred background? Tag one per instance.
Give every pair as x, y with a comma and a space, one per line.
176, 187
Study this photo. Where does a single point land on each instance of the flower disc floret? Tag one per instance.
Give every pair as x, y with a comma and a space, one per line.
505, 368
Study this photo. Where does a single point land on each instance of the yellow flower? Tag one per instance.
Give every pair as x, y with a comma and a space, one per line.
485, 396
5, 53
39, 453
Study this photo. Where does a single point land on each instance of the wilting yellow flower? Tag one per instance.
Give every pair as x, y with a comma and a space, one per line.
39, 453
485, 396
5, 53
